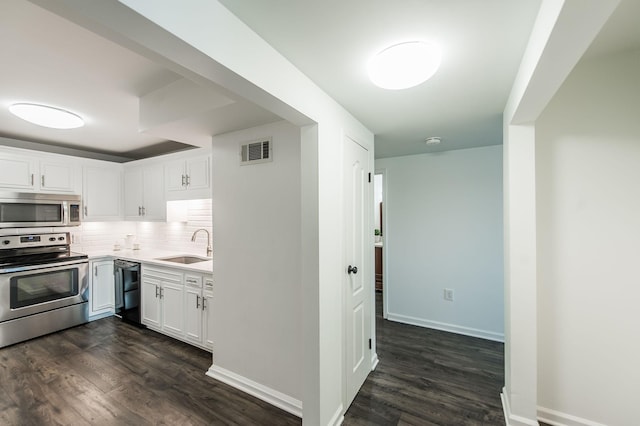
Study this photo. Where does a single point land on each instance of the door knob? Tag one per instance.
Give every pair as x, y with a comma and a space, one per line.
352, 269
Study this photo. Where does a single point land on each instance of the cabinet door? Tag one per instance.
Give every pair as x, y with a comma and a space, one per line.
57, 177
102, 286
193, 314
155, 207
207, 313
172, 308
102, 193
133, 193
198, 173
175, 175
151, 302
17, 172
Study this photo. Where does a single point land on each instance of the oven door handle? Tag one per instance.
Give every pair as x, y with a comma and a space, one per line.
45, 266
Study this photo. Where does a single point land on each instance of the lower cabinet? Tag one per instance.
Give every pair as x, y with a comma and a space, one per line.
173, 303
101, 288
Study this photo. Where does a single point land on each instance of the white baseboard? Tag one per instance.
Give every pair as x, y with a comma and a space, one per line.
512, 419
452, 328
338, 417
272, 396
556, 418
374, 361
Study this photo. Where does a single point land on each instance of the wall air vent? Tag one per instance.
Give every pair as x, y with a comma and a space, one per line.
256, 152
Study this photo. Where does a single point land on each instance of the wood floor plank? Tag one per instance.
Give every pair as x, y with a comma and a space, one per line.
111, 373
430, 377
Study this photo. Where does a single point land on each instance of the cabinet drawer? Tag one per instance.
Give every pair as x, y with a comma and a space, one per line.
193, 280
162, 274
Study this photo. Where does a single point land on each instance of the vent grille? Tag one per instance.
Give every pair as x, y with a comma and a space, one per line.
256, 152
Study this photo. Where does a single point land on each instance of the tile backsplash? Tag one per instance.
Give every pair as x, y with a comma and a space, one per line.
174, 236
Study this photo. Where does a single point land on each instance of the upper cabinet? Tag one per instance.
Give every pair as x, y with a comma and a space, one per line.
188, 178
30, 173
58, 177
144, 193
102, 192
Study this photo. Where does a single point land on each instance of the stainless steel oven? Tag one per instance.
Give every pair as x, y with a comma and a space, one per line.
22, 210
43, 286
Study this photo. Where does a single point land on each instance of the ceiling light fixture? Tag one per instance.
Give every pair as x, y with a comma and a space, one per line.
46, 116
405, 65
433, 140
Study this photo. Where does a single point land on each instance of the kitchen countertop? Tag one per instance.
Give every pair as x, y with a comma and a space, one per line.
149, 256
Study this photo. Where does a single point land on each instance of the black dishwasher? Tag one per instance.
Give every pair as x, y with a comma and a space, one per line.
127, 282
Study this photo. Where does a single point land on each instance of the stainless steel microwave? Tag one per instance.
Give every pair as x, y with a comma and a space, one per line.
23, 210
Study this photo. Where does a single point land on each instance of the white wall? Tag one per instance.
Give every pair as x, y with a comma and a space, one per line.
444, 230
588, 175
257, 246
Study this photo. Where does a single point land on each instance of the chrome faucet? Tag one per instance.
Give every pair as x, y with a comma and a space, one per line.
209, 249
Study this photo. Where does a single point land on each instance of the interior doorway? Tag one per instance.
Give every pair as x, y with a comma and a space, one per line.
379, 243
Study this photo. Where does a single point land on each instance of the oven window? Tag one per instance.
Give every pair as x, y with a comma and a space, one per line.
42, 287
30, 212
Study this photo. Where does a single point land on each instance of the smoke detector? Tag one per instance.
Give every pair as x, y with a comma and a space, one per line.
433, 140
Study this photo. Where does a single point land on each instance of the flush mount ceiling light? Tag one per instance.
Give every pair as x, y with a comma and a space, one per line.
405, 65
433, 140
46, 116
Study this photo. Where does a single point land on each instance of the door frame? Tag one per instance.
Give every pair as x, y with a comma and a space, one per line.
385, 227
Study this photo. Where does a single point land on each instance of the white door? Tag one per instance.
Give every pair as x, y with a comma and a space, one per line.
56, 177
151, 302
357, 267
133, 193
154, 203
193, 314
172, 308
102, 286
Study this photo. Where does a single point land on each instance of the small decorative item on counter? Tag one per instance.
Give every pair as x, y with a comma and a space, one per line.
129, 240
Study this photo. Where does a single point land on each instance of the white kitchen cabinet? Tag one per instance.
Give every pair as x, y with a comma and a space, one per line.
102, 193
163, 300
101, 288
173, 308
207, 312
57, 176
174, 303
144, 193
18, 172
30, 173
193, 308
188, 178
151, 308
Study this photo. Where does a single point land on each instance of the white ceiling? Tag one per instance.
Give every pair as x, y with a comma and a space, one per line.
331, 41
47, 59
50, 60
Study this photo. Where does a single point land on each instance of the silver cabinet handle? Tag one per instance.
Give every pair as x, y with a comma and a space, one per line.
156, 291
198, 301
204, 299
188, 180
144, 211
95, 271
42, 180
139, 211
86, 210
31, 179
183, 180
161, 293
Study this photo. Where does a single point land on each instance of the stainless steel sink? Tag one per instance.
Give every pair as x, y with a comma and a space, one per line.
184, 259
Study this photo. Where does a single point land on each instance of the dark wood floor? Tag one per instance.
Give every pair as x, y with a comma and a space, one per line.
429, 377
110, 373
107, 373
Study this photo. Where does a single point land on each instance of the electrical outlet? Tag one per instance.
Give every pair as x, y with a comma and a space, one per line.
448, 294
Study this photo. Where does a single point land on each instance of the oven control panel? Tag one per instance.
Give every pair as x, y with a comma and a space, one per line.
34, 240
